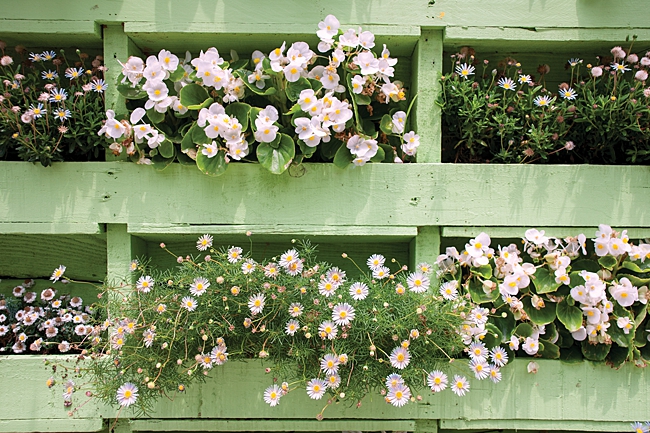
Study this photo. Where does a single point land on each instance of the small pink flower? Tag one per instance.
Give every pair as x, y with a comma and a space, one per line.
641, 75
596, 71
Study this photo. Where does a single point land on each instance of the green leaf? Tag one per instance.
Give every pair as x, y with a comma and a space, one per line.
636, 281
544, 281
205, 104
306, 151
266, 91
477, 293
570, 317
571, 355
187, 142
343, 157
295, 108
379, 156
240, 111
328, 150
544, 315
484, 271
386, 124
633, 266
154, 116
293, 89
617, 356
369, 128
523, 330
184, 159
548, 350
277, 160
166, 149
160, 163
214, 166
595, 352
252, 115
129, 92
316, 85
362, 99
389, 152
585, 265
198, 135
505, 324
193, 95
620, 337
493, 337
607, 262
178, 74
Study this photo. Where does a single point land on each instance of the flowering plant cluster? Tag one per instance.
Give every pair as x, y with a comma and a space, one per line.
317, 329
284, 107
42, 321
50, 109
599, 115
559, 298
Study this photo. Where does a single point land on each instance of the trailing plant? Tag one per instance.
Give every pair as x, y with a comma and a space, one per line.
276, 109
558, 299
50, 109
314, 328
599, 115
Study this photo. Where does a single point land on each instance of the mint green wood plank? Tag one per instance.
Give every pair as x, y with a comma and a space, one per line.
118, 253
564, 40
425, 247
376, 194
50, 425
180, 37
116, 47
48, 33
297, 425
280, 232
549, 13
37, 255
51, 228
537, 425
518, 232
427, 69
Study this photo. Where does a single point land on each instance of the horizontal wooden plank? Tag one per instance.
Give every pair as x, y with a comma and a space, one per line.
278, 232
51, 228
34, 34
373, 195
541, 39
289, 425
549, 13
536, 425
180, 37
52, 425
518, 232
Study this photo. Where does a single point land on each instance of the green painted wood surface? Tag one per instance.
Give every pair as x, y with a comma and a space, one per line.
51, 228
560, 396
374, 195
549, 13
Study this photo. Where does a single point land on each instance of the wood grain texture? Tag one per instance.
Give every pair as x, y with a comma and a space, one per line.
373, 195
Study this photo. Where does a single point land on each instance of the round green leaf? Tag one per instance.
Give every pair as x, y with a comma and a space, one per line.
154, 116
214, 166
569, 316
193, 95
343, 157
617, 356
523, 330
277, 160
293, 89
607, 262
166, 149
544, 281
548, 350
636, 267
240, 111
595, 352
505, 324
160, 163
478, 294
544, 315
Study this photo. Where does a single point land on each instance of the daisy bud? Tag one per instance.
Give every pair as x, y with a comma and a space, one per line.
342, 395
344, 255
220, 280
179, 361
179, 259
249, 233
151, 385
162, 245
146, 379
204, 337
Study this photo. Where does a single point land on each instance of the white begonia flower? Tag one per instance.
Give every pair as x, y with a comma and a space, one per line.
349, 39
330, 80
153, 70
390, 90
210, 150
133, 69
160, 106
411, 143
177, 106
167, 60
293, 72
625, 324
617, 247
155, 139
477, 246
140, 131
367, 63
257, 57
385, 55
299, 53
580, 334
211, 114
258, 78
328, 28
238, 150
367, 40
592, 314
536, 236
157, 90
624, 292
399, 119
530, 346
277, 54
337, 57
358, 81
113, 128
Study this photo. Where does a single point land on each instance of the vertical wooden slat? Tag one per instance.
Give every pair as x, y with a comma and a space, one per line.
427, 67
425, 247
118, 253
